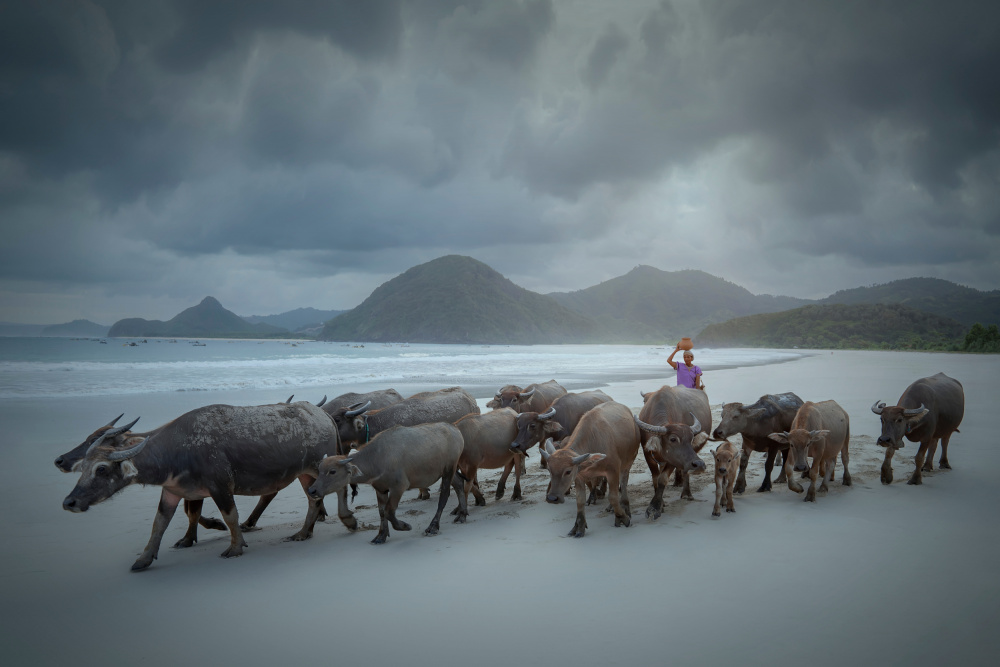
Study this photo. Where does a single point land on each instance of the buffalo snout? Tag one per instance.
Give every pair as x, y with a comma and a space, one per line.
71, 504
313, 492
717, 434
801, 467
697, 464
554, 499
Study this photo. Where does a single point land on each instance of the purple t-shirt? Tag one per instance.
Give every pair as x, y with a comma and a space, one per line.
685, 375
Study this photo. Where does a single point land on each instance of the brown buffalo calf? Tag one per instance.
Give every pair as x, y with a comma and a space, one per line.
820, 430
727, 465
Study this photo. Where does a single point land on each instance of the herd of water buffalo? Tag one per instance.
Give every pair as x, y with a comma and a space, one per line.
587, 442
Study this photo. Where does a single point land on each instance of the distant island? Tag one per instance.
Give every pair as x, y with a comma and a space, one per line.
458, 299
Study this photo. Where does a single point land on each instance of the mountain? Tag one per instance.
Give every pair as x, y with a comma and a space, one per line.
207, 319
296, 320
650, 305
933, 295
884, 326
84, 328
456, 299
10, 330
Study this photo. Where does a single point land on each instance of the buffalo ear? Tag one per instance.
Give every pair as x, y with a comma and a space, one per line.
494, 404
699, 440
549, 447
653, 444
780, 437
755, 413
359, 423
912, 420
354, 470
551, 427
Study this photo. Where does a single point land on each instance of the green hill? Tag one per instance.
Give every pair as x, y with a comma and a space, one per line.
457, 299
933, 295
84, 328
206, 320
650, 305
295, 320
863, 326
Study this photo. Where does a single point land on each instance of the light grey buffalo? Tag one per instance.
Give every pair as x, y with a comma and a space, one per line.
401, 458
487, 439
930, 409
674, 422
772, 413
604, 444
533, 398
347, 406
820, 430
217, 451
558, 422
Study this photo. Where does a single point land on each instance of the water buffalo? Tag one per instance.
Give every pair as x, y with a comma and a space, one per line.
674, 422
727, 456
603, 444
820, 430
487, 439
400, 458
533, 398
340, 408
215, 451
930, 409
446, 405
557, 422
772, 413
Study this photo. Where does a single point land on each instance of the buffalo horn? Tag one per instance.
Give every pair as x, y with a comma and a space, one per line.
357, 409
113, 421
659, 430
877, 407
497, 396
290, 398
526, 394
577, 460
696, 426
129, 453
549, 414
110, 433
321, 403
643, 394
913, 411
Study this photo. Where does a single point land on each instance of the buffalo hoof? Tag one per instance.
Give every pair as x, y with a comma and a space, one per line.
212, 524
915, 480
142, 563
797, 488
741, 486
300, 536
499, 494
454, 512
249, 528
928, 467
622, 520
379, 539
578, 531
432, 529
351, 523
401, 525
425, 494
653, 512
781, 478
766, 486
687, 496
944, 465
185, 542
810, 496
461, 517
232, 552
480, 502
731, 509
716, 513
516, 495
887, 475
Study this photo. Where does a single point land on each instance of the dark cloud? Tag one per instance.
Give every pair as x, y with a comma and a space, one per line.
311, 139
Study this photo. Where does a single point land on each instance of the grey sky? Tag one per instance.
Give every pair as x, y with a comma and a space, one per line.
279, 155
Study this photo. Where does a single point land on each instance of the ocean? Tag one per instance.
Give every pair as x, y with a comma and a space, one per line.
37, 368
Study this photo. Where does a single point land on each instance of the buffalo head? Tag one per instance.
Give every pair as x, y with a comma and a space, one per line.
564, 465
335, 473
676, 444
68, 461
799, 440
105, 469
736, 417
897, 422
532, 427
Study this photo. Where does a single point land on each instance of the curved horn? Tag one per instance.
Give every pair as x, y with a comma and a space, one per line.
877, 407
357, 409
110, 433
321, 403
129, 453
497, 395
913, 411
112, 422
549, 414
644, 394
577, 460
289, 399
526, 394
649, 428
696, 426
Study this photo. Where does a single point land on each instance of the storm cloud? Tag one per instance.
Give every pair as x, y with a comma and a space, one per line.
278, 155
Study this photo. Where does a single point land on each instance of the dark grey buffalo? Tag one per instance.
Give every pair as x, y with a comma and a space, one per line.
533, 398
340, 408
603, 445
557, 422
930, 409
673, 423
213, 452
487, 439
446, 405
772, 413
400, 458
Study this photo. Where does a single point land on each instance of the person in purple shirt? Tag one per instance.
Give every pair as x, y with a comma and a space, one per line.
688, 375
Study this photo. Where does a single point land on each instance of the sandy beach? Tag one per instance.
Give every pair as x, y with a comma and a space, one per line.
870, 574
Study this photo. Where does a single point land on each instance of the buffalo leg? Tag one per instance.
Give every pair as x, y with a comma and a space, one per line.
781, 471
719, 486
251, 523
312, 514
814, 473
502, 484
192, 508
659, 485
772, 453
206, 522
730, 480
518, 461
461, 492
227, 506
580, 527
164, 512
741, 479
435, 526
943, 462
616, 495
476, 491
686, 477
383, 530
790, 477
887, 465
916, 477
845, 457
